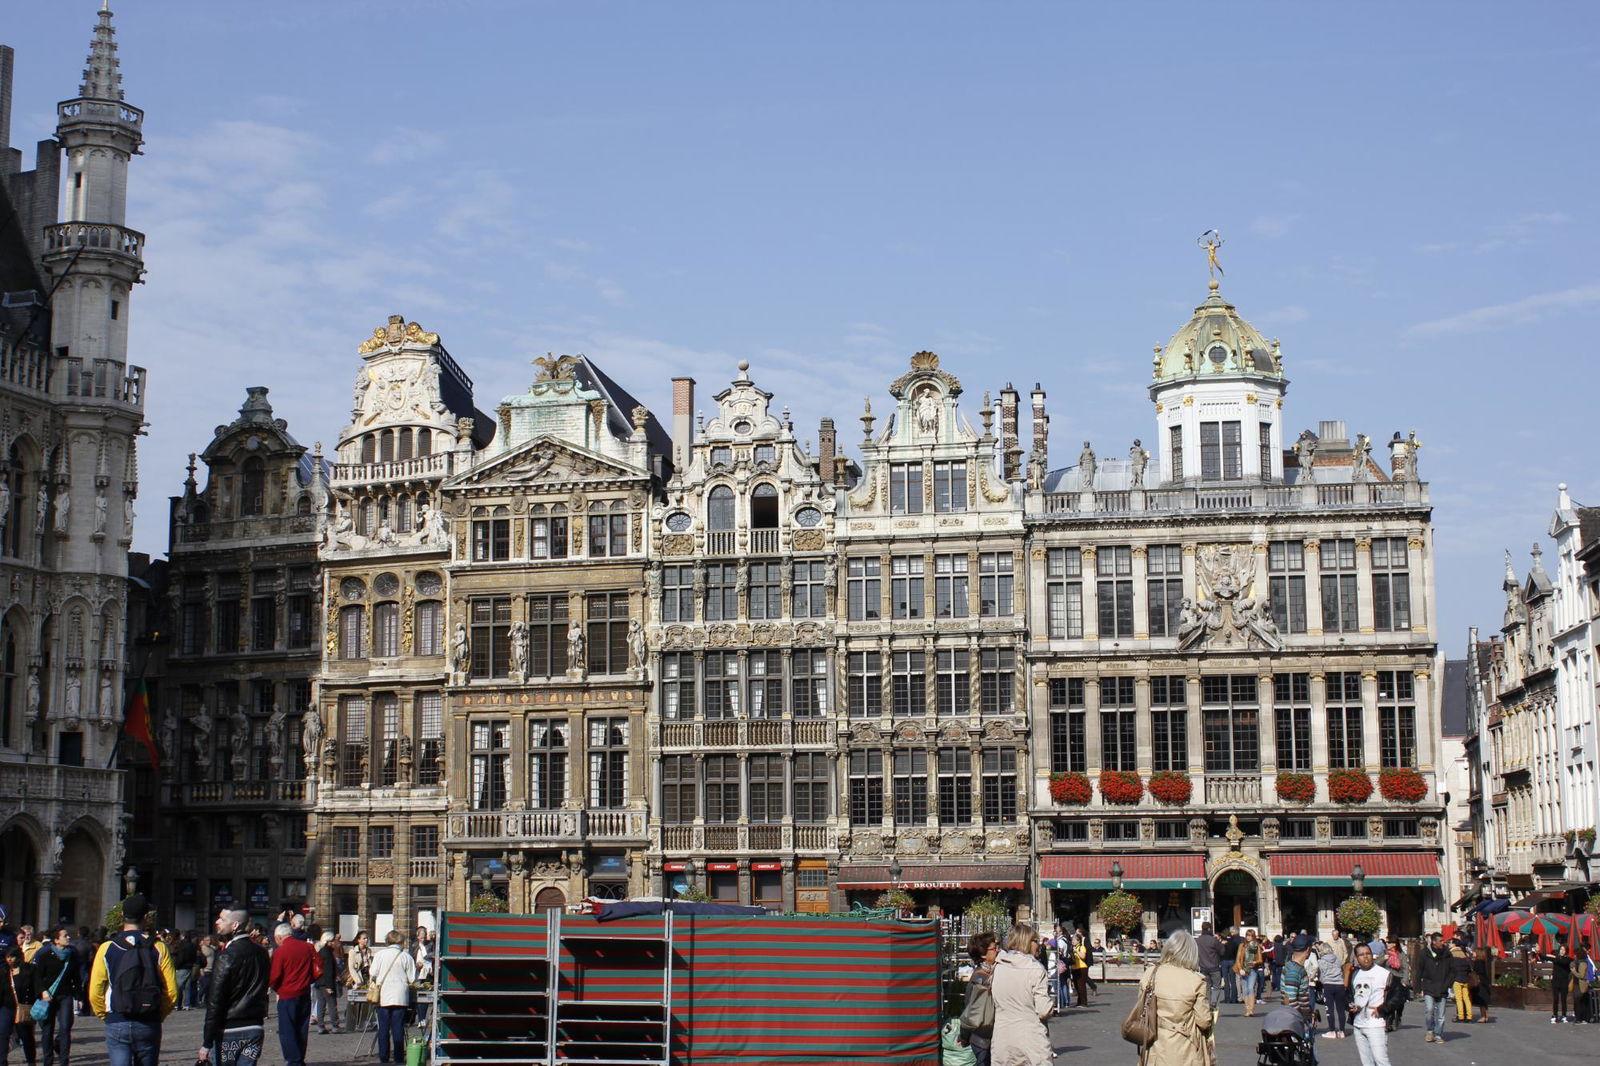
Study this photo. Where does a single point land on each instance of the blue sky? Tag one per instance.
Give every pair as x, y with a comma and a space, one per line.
1407, 192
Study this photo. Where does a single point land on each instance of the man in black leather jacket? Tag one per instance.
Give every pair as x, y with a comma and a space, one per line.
236, 1004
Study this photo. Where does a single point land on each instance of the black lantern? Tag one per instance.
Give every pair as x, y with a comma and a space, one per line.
1116, 876
1358, 878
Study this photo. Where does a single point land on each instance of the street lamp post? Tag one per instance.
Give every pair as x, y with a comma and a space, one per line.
1358, 878
1116, 876
689, 871
130, 880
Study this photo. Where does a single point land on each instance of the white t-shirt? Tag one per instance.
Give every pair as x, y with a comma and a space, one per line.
1368, 987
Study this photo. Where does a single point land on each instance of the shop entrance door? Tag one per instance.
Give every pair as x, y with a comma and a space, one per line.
1237, 899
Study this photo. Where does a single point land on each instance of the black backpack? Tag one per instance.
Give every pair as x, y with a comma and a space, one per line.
1395, 995
134, 973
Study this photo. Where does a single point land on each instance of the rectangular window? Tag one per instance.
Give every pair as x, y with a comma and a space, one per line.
866, 787
810, 596
263, 623
908, 679
808, 684
1286, 585
952, 683
491, 636
387, 704
1164, 565
950, 590
491, 540
430, 737
995, 585
677, 685
1118, 724
1344, 721
766, 590
228, 625
950, 486
677, 594
766, 454
906, 586
608, 535
1230, 707
608, 762
955, 786
1175, 446
722, 592
1221, 451
1391, 585
347, 842
547, 763
1291, 709
193, 622
864, 583
353, 745
1064, 593
490, 760
679, 790
550, 537
721, 684
864, 684
997, 680
1068, 735
1339, 603
911, 787
547, 634
765, 670
1397, 719
425, 842
813, 787
766, 790
607, 650
1264, 440
430, 627
721, 789
386, 630
905, 488
380, 841
1169, 723
999, 785
1114, 590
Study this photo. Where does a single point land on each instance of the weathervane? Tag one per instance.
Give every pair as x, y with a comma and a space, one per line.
1211, 240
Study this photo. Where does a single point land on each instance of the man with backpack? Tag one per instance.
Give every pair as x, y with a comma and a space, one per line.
132, 988
236, 1003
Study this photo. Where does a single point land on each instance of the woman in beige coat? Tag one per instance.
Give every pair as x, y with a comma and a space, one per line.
1021, 995
1183, 1009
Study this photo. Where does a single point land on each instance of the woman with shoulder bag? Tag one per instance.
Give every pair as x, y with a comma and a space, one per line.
1021, 993
17, 993
977, 1013
1183, 1017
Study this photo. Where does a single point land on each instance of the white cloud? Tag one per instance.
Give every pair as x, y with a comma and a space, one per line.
405, 145
1523, 230
1517, 312
1272, 226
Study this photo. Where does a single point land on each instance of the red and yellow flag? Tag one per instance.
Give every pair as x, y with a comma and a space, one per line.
137, 722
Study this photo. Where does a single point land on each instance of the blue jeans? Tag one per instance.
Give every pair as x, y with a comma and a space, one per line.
1213, 987
1433, 1013
183, 977
391, 1033
1249, 983
133, 1043
239, 1047
294, 1028
55, 1032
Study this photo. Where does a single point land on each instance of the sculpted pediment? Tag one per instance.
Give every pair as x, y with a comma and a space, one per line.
543, 461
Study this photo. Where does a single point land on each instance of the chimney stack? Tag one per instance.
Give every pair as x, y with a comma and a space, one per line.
1040, 460
7, 63
1010, 445
827, 444
682, 422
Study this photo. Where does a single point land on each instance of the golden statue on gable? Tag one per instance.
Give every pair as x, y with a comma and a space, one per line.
553, 367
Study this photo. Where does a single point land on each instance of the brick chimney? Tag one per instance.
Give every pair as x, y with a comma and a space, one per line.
1010, 445
827, 446
682, 421
1039, 461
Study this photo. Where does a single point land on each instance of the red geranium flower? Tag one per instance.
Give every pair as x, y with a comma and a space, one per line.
1121, 786
1349, 786
1072, 788
1170, 787
1297, 788
1402, 785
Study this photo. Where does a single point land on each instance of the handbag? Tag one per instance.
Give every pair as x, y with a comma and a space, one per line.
375, 988
41, 1007
979, 1013
1139, 1027
21, 1017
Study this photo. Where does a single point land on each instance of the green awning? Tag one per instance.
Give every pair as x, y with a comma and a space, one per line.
1344, 882
1128, 883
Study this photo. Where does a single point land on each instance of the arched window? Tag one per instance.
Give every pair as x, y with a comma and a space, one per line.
764, 507
402, 514
75, 634
369, 449
383, 512
405, 444
424, 442
11, 698
22, 510
364, 525
386, 446
253, 494
719, 509
303, 506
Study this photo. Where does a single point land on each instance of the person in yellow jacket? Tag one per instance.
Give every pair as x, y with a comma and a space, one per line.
133, 1036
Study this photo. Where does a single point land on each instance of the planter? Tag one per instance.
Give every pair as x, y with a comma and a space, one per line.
1121, 971
1349, 786
1122, 787
1537, 999
1071, 789
1171, 788
1296, 788
1402, 785
1508, 999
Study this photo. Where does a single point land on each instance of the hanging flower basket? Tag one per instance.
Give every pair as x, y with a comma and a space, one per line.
1123, 787
1349, 786
1593, 906
1171, 787
489, 903
1121, 911
1359, 915
1297, 788
1402, 785
1071, 789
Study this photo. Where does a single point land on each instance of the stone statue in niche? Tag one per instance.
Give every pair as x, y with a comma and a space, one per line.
928, 410
276, 739
74, 694
575, 649
107, 706
41, 511
63, 511
638, 649
1138, 459
519, 648
34, 693
100, 510
203, 726
127, 518
311, 738
460, 655
5, 504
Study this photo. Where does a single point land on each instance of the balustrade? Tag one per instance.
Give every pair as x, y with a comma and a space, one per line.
763, 541
1233, 789
722, 542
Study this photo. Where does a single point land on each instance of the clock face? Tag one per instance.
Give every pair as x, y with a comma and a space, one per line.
807, 517
678, 522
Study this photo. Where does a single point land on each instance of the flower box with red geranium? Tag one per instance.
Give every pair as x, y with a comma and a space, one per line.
1071, 789
1297, 788
1349, 786
1170, 787
1402, 785
1123, 787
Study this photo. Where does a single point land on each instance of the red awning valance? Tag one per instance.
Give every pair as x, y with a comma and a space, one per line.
1183, 870
945, 875
1382, 868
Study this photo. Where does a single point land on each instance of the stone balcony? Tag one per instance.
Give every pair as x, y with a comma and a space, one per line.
23, 785
258, 526
762, 838
1226, 499
741, 733
516, 828
246, 793
115, 111
103, 379
420, 468
94, 237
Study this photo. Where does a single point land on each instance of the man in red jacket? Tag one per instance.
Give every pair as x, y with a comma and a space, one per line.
294, 967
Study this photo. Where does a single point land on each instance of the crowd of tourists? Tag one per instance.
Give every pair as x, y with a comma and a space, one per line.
133, 978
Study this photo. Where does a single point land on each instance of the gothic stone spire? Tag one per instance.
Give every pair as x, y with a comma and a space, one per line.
102, 77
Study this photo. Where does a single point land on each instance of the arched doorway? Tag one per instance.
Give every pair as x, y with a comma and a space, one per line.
549, 899
19, 875
1236, 900
79, 896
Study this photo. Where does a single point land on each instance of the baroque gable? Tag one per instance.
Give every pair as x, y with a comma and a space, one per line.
546, 462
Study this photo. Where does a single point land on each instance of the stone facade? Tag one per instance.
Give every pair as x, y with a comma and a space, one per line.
71, 406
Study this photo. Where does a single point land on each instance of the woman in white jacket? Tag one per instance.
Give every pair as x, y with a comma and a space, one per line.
1021, 993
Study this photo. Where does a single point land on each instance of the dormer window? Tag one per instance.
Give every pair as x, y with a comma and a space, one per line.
722, 455
764, 507
905, 488
1218, 355
767, 454
1221, 451
950, 486
252, 496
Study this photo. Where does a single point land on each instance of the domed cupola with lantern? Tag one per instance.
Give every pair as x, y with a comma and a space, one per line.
1218, 388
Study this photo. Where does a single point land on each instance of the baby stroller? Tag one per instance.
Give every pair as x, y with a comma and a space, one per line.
1285, 1041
